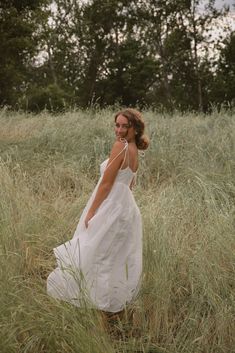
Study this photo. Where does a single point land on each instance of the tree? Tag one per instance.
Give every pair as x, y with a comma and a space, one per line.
223, 87
18, 46
197, 24
95, 52
134, 52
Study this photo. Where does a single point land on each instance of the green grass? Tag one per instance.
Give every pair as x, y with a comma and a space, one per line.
186, 193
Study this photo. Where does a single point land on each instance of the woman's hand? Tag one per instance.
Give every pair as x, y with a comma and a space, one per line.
89, 216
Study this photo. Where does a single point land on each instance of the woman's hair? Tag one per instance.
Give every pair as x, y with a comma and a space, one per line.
135, 119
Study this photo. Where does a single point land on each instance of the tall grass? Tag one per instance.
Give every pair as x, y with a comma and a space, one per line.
186, 192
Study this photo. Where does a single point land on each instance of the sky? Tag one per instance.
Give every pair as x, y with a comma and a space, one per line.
221, 3
219, 28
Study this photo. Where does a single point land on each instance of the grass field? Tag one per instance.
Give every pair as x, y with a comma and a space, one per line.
186, 193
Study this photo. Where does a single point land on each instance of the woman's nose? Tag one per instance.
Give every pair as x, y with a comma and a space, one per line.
120, 129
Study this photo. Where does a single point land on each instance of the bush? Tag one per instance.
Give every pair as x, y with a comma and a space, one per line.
52, 98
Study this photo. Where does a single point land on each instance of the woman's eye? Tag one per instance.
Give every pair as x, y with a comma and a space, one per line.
123, 126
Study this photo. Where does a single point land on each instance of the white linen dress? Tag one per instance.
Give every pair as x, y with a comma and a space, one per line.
101, 265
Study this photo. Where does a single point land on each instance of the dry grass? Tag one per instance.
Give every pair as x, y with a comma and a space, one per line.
186, 193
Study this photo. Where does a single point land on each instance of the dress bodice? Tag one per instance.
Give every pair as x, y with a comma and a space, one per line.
124, 176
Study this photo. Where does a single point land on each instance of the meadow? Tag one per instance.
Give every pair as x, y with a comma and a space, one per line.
185, 190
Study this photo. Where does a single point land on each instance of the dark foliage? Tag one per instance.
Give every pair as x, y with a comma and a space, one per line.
133, 53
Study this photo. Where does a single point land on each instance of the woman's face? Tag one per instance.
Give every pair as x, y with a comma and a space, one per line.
123, 130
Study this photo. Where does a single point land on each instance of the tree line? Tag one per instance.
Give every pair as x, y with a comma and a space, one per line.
159, 53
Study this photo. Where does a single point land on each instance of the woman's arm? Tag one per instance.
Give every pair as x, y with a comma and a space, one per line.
107, 181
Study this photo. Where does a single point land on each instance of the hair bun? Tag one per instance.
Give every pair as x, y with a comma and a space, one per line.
143, 142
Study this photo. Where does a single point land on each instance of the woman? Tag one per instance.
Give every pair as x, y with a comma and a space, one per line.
102, 263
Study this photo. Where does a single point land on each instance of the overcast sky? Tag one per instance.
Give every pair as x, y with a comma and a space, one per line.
221, 3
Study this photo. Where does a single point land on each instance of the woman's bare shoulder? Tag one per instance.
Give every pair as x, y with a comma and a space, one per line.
119, 145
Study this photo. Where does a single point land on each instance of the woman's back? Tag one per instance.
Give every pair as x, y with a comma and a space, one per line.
131, 157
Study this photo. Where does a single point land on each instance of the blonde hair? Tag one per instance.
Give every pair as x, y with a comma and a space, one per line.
135, 119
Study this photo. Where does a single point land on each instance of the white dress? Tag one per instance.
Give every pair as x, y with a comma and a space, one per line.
101, 265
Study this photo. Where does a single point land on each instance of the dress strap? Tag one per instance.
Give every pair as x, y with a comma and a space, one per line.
126, 156
124, 148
